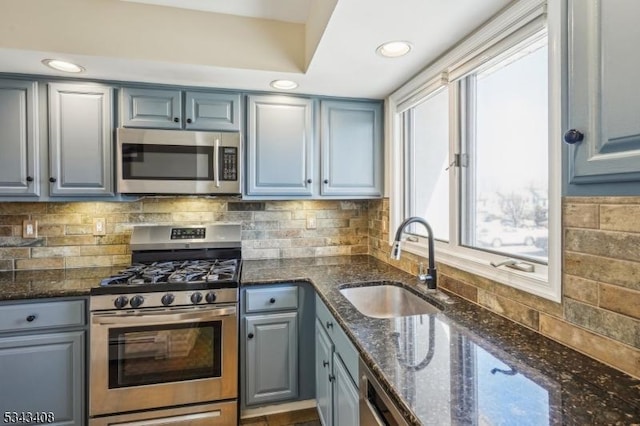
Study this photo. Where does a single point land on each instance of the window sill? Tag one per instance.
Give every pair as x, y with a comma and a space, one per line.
537, 283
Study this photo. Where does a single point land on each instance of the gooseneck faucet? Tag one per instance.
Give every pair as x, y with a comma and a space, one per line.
431, 278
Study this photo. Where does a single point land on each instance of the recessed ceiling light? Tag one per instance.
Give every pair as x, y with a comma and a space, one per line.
394, 49
284, 84
65, 66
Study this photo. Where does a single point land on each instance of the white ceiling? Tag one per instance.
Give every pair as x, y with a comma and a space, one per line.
239, 44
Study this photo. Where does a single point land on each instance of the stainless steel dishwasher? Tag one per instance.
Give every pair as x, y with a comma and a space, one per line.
376, 408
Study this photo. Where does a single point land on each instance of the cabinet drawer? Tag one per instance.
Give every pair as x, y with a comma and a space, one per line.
271, 299
35, 316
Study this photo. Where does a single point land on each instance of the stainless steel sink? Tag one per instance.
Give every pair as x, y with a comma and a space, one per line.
387, 301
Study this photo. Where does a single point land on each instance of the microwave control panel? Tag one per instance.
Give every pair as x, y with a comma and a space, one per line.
228, 163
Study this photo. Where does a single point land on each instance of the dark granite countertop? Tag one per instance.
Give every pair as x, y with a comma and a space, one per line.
36, 284
463, 365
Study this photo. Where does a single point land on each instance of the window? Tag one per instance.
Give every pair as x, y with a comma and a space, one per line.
471, 154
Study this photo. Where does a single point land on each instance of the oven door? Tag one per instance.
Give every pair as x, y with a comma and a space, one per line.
177, 162
143, 360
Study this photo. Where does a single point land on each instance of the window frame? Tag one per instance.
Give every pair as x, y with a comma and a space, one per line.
504, 32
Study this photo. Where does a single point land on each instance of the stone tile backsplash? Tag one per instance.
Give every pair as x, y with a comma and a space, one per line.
600, 310
270, 229
599, 314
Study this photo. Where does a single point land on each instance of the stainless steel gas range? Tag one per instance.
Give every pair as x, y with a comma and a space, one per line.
164, 331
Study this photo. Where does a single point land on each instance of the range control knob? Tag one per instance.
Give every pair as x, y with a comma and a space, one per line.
121, 302
196, 298
211, 297
167, 299
136, 301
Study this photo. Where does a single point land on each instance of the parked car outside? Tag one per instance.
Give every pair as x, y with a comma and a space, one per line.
498, 235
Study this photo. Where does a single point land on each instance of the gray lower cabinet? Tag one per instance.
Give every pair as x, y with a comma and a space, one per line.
19, 162
352, 149
272, 357
42, 362
603, 101
80, 139
177, 109
336, 372
279, 146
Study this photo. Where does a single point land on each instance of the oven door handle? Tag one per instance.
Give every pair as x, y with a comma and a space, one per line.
168, 318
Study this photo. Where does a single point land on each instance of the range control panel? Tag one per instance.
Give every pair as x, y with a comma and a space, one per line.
188, 233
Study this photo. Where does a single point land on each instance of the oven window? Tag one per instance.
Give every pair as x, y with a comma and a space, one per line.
167, 162
162, 354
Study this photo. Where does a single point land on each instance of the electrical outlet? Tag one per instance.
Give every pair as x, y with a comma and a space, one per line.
99, 226
29, 229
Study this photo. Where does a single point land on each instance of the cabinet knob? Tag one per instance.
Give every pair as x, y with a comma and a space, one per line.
326, 181
573, 136
309, 180
250, 335
52, 179
189, 120
272, 300
325, 363
31, 318
29, 178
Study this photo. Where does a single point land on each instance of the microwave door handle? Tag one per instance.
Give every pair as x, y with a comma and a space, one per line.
170, 318
216, 162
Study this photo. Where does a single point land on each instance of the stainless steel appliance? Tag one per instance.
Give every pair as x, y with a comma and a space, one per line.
178, 162
376, 408
164, 331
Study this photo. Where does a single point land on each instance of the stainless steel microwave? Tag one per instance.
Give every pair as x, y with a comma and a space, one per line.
178, 162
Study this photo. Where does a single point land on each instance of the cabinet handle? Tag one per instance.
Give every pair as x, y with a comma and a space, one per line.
329, 324
332, 378
29, 178
573, 136
31, 318
176, 120
189, 120
52, 179
272, 300
250, 335
325, 363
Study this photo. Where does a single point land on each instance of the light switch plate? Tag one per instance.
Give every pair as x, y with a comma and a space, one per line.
29, 229
99, 226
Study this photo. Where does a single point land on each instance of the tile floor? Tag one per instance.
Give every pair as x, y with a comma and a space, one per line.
308, 417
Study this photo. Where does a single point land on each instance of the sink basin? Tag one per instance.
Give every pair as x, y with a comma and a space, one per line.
387, 301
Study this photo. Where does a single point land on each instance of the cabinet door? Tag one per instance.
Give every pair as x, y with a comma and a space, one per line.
345, 396
280, 145
19, 173
212, 111
603, 98
324, 396
351, 144
160, 109
44, 373
272, 357
80, 139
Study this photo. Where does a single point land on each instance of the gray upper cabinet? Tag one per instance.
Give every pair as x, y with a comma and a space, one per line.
80, 139
212, 111
352, 150
603, 98
155, 108
279, 146
163, 109
19, 166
